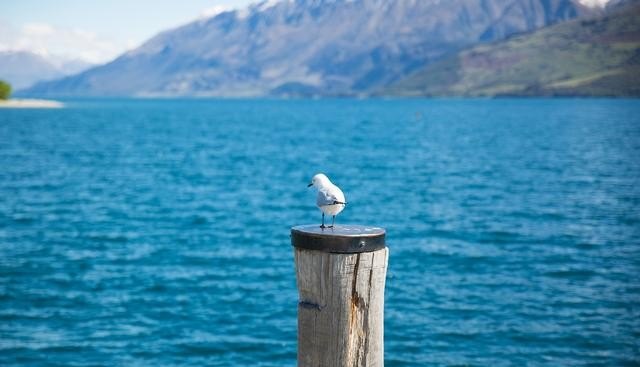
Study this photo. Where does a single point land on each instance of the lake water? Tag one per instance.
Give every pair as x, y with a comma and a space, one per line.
156, 232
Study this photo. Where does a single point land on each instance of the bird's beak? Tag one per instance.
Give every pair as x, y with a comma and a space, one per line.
309, 185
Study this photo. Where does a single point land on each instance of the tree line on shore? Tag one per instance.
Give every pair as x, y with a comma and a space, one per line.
5, 90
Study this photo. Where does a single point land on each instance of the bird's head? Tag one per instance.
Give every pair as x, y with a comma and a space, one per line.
319, 180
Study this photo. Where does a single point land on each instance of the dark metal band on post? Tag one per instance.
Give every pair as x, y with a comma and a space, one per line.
347, 239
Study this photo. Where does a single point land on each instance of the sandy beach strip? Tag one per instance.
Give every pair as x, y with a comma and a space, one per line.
30, 103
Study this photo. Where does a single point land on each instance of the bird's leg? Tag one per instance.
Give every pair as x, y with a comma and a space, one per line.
333, 221
322, 225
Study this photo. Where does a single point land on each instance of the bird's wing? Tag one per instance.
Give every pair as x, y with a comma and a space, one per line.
325, 198
339, 195
330, 197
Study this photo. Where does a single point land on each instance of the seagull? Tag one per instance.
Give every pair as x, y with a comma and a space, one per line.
330, 198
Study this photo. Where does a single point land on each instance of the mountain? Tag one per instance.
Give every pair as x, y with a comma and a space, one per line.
309, 47
23, 68
589, 57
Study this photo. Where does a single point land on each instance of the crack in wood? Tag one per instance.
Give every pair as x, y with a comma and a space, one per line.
358, 308
310, 305
355, 298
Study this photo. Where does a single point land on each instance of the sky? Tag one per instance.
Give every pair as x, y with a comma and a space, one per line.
95, 31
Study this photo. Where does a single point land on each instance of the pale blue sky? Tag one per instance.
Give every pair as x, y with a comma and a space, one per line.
111, 25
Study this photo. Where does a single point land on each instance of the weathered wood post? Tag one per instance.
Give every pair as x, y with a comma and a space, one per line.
340, 275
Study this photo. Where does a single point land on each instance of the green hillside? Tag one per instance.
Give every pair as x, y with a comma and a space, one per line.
595, 57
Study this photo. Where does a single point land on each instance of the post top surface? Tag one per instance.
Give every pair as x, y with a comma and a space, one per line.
349, 230
340, 239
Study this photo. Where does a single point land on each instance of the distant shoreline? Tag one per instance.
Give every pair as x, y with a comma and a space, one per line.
30, 103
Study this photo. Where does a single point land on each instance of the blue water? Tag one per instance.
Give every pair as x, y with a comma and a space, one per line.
156, 232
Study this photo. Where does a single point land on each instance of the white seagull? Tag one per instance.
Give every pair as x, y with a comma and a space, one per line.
330, 198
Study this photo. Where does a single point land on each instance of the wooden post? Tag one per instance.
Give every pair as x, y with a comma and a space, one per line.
340, 275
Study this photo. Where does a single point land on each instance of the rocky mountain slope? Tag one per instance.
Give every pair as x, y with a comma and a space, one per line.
590, 57
309, 47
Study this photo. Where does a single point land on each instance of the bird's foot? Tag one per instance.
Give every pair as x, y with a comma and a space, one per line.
323, 226
331, 226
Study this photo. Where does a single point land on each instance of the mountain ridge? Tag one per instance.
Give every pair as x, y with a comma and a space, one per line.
584, 57
24, 68
316, 47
